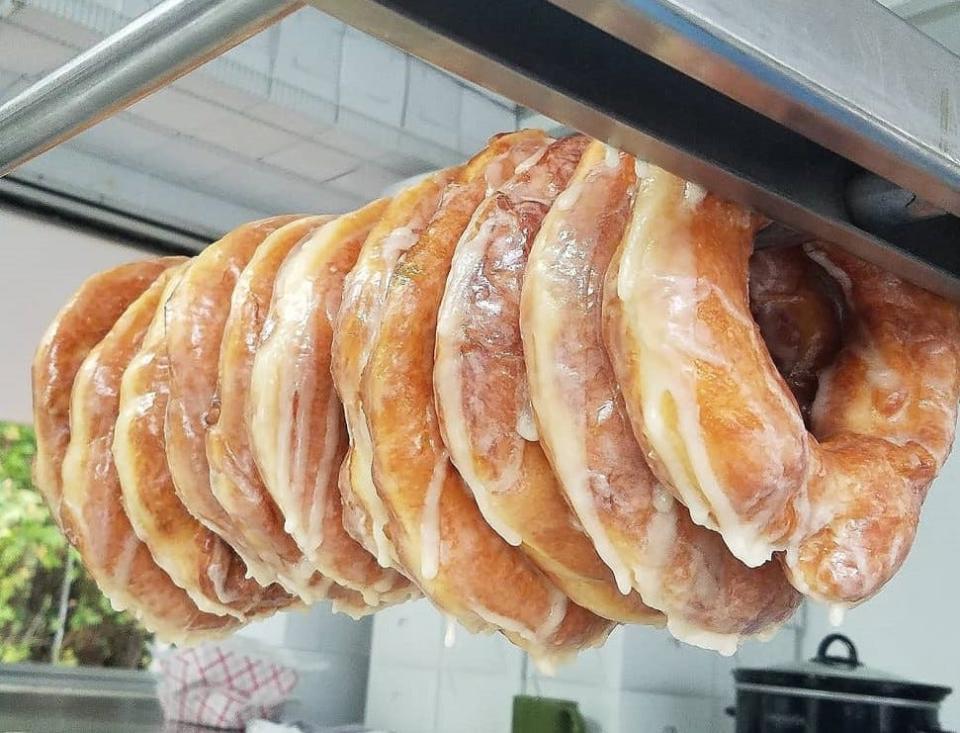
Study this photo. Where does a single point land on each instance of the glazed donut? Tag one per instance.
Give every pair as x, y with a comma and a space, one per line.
441, 537
234, 479
78, 327
195, 558
493, 440
723, 432
91, 510
646, 538
194, 318
294, 418
409, 212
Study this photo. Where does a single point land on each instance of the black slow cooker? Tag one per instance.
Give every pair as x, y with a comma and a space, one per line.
834, 694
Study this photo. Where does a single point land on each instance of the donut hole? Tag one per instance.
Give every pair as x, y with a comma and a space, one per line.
799, 310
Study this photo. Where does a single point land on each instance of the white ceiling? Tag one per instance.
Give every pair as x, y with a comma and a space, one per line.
307, 116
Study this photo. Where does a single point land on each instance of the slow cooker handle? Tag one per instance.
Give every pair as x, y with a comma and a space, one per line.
851, 660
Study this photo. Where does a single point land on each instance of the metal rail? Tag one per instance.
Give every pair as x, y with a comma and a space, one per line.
709, 105
162, 44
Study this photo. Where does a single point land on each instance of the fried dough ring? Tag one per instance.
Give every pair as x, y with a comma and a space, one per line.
364, 514
442, 539
234, 479
195, 558
195, 315
295, 421
78, 327
647, 539
724, 432
91, 509
482, 397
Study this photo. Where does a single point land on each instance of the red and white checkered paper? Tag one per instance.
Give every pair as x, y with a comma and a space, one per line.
213, 686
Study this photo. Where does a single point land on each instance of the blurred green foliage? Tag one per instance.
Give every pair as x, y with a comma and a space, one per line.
33, 566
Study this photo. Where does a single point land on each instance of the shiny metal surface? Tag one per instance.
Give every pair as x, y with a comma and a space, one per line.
162, 44
572, 70
849, 75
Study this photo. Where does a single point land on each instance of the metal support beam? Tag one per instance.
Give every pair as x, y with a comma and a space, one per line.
161, 45
701, 101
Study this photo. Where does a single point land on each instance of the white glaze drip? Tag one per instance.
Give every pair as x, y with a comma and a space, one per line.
450, 633
836, 613
430, 537
526, 424
611, 156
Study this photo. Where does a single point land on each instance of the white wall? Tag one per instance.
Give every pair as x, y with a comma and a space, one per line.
641, 680
41, 264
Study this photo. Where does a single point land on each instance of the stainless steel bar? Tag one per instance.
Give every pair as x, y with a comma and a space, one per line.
849, 75
164, 43
573, 71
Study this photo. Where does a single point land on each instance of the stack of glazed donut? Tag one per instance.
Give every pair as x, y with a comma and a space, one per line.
550, 390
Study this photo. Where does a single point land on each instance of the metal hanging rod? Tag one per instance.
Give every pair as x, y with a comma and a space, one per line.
780, 105
161, 45
838, 120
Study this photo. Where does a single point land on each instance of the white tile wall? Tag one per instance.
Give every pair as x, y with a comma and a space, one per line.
280, 97
366, 181
57, 29
433, 105
308, 53
257, 52
177, 110
211, 89
640, 680
81, 173
472, 702
480, 118
373, 78
654, 661
29, 53
185, 159
312, 160
121, 137
488, 654
244, 135
409, 635
402, 699
646, 712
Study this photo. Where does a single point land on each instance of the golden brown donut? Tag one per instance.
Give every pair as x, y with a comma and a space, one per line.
195, 558
234, 479
882, 425
295, 421
78, 327
493, 440
194, 318
647, 539
91, 509
364, 514
720, 425
461, 564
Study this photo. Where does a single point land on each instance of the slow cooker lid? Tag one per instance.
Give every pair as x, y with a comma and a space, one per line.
832, 673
